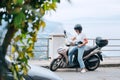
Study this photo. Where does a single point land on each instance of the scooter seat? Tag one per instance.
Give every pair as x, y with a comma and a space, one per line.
89, 49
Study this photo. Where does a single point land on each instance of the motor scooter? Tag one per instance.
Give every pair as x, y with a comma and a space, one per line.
91, 57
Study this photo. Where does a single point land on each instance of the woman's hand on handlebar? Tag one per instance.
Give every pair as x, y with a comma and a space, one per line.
72, 44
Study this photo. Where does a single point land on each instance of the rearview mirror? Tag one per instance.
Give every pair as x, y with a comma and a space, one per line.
65, 33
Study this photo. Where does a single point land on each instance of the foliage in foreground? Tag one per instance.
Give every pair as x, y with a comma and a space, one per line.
24, 19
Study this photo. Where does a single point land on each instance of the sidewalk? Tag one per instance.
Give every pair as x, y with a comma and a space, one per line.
107, 62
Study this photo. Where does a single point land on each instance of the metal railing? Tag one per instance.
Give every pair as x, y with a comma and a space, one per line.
112, 43
42, 47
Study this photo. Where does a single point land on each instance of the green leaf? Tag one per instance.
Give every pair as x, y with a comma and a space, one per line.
19, 20
46, 6
14, 1
42, 12
56, 1
17, 38
42, 23
25, 70
53, 6
21, 55
34, 38
13, 49
31, 55
18, 2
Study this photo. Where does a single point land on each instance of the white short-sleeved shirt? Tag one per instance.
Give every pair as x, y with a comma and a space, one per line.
80, 37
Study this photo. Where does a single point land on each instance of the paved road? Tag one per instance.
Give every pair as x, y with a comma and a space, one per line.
103, 73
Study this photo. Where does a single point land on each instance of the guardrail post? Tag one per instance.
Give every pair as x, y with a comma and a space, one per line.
54, 43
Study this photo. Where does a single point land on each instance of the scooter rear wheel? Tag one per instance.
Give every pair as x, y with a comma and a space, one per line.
92, 63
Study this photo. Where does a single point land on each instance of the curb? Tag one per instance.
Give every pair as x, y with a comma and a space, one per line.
102, 65
110, 65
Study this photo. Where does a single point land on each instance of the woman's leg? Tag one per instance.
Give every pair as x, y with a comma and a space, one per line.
80, 56
70, 53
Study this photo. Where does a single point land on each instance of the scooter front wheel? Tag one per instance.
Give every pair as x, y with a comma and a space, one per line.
55, 64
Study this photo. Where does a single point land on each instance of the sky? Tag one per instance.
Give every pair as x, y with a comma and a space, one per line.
88, 13
84, 9
96, 16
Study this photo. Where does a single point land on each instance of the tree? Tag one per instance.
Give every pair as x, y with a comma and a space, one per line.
19, 15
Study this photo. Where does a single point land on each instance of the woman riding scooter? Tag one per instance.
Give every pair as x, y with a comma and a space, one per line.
81, 40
